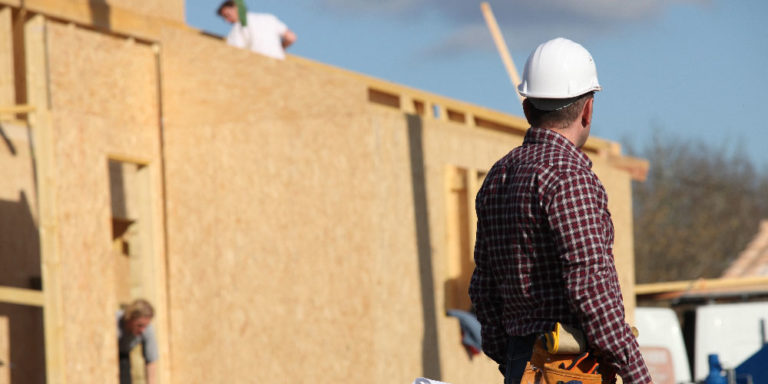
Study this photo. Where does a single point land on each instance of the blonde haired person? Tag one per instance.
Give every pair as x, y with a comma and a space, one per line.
134, 327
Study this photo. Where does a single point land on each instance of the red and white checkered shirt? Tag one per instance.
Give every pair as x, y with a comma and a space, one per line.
544, 253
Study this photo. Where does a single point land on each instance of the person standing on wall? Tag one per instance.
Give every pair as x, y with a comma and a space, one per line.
262, 33
544, 249
133, 328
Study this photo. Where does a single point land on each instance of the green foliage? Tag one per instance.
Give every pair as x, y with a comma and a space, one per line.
698, 209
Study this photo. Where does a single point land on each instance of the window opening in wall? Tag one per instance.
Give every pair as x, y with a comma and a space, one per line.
435, 111
462, 185
383, 98
418, 107
456, 116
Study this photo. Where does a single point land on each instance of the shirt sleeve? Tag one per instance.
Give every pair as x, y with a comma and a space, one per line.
235, 37
488, 307
583, 231
149, 344
280, 27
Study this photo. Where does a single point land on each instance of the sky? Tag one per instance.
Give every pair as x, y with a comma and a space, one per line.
689, 69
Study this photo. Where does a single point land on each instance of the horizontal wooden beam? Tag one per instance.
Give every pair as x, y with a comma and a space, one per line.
21, 296
14, 109
101, 15
700, 284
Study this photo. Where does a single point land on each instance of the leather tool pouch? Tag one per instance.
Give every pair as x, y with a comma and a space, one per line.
546, 368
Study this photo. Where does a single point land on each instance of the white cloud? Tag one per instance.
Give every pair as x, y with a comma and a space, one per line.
524, 23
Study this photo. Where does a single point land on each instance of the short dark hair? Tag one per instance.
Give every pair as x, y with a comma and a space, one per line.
558, 118
226, 4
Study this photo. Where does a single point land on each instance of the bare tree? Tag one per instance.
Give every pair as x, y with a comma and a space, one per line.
697, 210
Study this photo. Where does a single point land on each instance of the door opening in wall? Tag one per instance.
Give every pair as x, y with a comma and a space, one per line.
132, 249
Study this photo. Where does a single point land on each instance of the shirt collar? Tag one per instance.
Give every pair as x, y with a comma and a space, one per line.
551, 137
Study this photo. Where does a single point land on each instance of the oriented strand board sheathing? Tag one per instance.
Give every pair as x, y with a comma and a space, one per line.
282, 155
310, 252
103, 102
306, 226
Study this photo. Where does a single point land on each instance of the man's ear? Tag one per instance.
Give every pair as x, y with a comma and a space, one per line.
586, 112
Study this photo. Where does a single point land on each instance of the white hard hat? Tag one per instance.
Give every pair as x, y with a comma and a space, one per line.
559, 69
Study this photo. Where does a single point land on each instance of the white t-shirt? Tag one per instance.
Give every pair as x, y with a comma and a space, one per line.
263, 34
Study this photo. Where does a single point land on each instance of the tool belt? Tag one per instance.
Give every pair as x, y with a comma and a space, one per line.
560, 357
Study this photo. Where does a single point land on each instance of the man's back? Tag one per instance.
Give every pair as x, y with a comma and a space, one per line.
262, 34
515, 205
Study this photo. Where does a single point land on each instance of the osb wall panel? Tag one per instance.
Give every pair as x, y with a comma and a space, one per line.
100, 11
471, 148
168, 9
295, 224
618, 184
103, 99
270, 197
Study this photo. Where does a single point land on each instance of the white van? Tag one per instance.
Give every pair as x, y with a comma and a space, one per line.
662, 346
732, 331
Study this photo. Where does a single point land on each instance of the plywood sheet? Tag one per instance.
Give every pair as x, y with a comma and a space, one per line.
103, 97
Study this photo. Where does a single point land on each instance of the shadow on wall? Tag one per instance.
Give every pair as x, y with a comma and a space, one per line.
430, 353
27, 343
19, 245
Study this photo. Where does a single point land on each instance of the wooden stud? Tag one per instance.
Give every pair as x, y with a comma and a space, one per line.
7, 86
5, 351
40, 123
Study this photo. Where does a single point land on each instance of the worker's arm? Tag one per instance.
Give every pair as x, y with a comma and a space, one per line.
288, 38
151, 373
583, 231
150, 351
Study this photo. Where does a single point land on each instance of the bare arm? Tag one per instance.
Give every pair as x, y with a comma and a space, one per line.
288, 38
151, 373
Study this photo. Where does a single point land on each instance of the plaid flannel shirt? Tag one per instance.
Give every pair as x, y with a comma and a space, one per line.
544, 254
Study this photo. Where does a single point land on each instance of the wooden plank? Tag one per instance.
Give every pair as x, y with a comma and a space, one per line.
501, 45
37, 93
7, 86
5, 351
700, 284
21, 296
106, 17
9, 112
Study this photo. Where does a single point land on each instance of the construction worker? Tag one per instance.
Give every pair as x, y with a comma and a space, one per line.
544, 248
262, 33
133, 328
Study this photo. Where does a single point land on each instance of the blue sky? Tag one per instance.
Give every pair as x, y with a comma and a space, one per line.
694, 69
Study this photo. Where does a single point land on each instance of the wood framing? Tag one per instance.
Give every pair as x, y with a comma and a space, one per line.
37, 93
21, 296
5, 351
7, 94
108, 16
309, 209
501, 46
10, 112
701, 285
